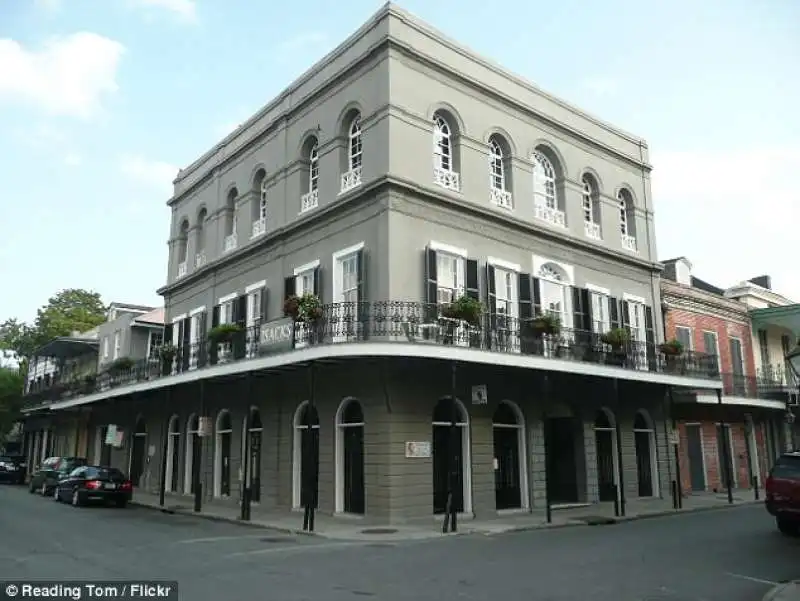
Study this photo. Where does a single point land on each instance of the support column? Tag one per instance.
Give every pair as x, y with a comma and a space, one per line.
246, 481
678, 482
451, 513
618, 434
164, 450
726, 449
197, 462
310, 481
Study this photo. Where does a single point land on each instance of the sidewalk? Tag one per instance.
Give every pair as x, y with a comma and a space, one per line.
788, 591
365, 528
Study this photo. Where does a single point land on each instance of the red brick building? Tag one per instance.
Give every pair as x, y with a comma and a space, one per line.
743, 426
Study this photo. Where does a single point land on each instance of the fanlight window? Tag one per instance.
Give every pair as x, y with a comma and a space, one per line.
355, 152
442, 144
497, 176
544, 181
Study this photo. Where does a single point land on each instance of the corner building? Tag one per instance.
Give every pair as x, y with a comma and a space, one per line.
399, 174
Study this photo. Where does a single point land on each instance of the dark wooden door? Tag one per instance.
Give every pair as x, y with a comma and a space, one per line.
442, 463
694, 451
644, 463
354, 469
605, 465
225, 464
507, 486
560, 460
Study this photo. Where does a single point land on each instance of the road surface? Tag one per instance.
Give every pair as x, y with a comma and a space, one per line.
726, 555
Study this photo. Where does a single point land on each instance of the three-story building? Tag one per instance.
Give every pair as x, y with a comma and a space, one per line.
411, 276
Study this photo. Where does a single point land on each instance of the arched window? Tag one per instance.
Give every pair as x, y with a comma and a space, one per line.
313, 168
350, 497
591, 207
230, 241
442, 144
605, 435
354, 144
497, 172
200, 237
222, 455
553, 289
259, 203
544, 182
183, 248
310, 198
627, 224
173, 455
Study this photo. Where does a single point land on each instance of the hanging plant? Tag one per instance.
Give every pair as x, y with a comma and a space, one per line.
121, 365
672, 348
167, 352
464, 308
291, 306
547, 323
309, 308
224, 333
616, 338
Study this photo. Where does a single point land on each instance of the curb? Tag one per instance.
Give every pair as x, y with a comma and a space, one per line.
218, 518
775, 592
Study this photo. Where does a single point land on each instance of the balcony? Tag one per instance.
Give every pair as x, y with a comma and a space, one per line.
629, 243
309, 201
259, 227
760, 386
200, 259
501, 198
592, 230
550, 215
447, 179
419, 324
183, 269
230, 243
350, 180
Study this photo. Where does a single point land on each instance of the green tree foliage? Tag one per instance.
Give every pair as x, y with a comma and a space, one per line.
11, 386
68, 311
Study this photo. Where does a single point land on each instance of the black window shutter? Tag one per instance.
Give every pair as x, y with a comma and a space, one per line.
586, 301
537, 297
525, 294
625, 316
472, 279
263, 309
578, 310
289, 287
215, 316
318, 282
650, 337
167, 334
186, 339
431, 278
240, 310
613, 309
360, 275
201, 339
491, 292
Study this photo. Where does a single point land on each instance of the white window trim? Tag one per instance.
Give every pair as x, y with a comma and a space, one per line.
178, 318
598, 290
257, 286
716, 341
569, 270
307, 267
633, 299
194, 312
691, 335
741, 348
339, 254
227, 298
507, 265
447, 248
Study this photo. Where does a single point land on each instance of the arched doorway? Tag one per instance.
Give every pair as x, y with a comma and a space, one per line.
193, 450
510, 472
450, 461
253, 478
173, 454
350, 496
222, 455
138, 451
305, 459
644, 434
605, 435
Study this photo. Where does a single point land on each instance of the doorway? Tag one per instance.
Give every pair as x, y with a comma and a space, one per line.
644, 436
350, 458
173, 454
222, 463
510, 473
451, 461
605, 435
193, 455
726, 457
138, 451
694, 452
306, 456
561, 465
256, 429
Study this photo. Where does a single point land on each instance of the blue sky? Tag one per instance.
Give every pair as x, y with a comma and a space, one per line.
102, 101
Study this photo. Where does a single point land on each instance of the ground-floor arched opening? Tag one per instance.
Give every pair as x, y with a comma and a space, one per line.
510, 469
644, 435
305, 459
222, 455
605, 436
451, 456
564, 450
173, 454
193, 455
255, 430
138, 452
350, 493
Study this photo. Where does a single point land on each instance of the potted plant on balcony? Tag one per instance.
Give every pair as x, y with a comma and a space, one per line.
616, 338
121, 366
464, 309
167, 353
291, 306
545, 324
309, 308
224, 333
671, 350
89, 382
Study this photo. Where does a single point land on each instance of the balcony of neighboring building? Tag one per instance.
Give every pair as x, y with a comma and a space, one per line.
63, 367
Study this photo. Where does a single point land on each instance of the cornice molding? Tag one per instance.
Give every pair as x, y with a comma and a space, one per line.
677, 296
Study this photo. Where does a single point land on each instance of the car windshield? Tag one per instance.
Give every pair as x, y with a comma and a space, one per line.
104, 473
787, 467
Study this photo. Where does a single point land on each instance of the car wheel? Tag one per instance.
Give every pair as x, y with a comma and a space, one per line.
56, 495
31, 488
76, 498
44, 490
786, 526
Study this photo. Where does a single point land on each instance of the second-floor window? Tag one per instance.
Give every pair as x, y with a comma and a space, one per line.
226, 311
601, 318
117, 345
553, 289
684, 336
497, 174
154, 342
450, 276
313, 168
254, 306
737, 359
506, 297
354, 147
105, 347
544, 182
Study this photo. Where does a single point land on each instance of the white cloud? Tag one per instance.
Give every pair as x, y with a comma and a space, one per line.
155, 174
601, 85
50, 141
50, 6
733, 213
68, 76
184, 9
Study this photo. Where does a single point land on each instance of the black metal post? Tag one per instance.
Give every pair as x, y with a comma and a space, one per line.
677, 448
727, 460
620, 475
162, 486
548, 506
309, 483
617, 506
675, 505
245, 515
198, 460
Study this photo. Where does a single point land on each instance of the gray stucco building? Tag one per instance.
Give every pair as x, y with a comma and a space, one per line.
398, 181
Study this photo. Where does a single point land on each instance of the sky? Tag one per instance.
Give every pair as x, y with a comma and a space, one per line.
102, 101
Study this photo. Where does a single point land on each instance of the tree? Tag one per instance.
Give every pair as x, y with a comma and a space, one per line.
66, 312
11, 387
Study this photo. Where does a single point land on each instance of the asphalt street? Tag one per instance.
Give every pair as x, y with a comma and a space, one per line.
732, 554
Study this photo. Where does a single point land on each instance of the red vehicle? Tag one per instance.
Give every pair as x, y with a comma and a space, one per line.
783, 493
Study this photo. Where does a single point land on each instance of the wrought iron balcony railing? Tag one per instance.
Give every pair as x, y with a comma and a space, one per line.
753, 387
403, 322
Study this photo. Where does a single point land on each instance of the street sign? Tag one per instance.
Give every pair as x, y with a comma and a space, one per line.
276, 336
480, 395
418, 450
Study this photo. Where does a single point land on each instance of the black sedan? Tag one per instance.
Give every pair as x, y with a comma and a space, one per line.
94, 483
51, 471
12, 469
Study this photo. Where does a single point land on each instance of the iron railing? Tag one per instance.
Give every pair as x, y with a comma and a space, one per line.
404, 322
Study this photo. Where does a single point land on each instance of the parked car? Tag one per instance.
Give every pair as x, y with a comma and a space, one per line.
12, 469
783, 493
51, 471
94, 483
